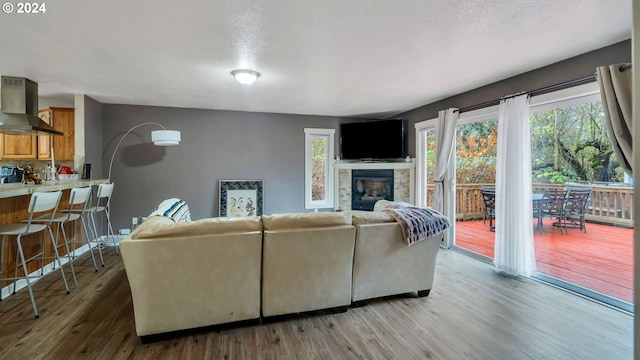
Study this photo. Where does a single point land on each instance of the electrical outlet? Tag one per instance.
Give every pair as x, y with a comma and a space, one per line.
134, 221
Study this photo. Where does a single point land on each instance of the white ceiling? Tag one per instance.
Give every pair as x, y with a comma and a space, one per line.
332, 57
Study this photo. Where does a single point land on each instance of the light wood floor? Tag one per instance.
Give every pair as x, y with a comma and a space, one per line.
473, 312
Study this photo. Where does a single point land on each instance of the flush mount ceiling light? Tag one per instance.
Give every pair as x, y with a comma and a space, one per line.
245, 77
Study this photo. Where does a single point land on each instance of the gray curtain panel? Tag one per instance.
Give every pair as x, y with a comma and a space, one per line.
615, 89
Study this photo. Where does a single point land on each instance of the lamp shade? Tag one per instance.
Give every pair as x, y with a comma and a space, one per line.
165, 137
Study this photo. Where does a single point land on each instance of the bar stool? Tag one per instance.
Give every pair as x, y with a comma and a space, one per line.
78, 199
39, 202
102, 203
85, 217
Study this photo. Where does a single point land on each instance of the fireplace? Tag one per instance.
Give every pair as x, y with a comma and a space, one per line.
369, 186
403, 180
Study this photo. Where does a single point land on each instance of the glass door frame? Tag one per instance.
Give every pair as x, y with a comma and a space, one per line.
449, 201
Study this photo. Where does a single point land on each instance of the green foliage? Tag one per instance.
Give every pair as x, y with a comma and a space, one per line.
571, 144
476, 152
318, 167
567, 144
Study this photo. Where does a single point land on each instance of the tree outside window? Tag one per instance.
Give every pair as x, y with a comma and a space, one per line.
319, 180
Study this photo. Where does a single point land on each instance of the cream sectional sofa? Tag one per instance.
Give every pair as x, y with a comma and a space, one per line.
306, 262
193, 274
383, 265
225, 270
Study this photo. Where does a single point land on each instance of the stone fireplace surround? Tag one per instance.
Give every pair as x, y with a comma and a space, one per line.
403, 180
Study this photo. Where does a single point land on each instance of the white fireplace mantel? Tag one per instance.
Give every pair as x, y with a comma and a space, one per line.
342, 186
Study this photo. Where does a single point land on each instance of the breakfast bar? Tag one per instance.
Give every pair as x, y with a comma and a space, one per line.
14, 204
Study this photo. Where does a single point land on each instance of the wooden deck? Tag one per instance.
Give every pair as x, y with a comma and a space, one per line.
600, 260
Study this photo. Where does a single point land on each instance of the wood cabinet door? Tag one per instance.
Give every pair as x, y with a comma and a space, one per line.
63, 119
44, 145
19, 147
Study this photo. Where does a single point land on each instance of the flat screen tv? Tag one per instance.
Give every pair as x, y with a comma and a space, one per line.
373, 140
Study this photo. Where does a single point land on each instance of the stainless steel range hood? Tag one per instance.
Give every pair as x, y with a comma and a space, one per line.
19, 101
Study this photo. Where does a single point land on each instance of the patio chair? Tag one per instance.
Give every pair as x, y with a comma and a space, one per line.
489, 197
552, 206
575, 208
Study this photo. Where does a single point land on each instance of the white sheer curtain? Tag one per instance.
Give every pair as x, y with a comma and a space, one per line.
446, 132
514, 249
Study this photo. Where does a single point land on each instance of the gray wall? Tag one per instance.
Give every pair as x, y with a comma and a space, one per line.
216, 145
567, 70
93, 136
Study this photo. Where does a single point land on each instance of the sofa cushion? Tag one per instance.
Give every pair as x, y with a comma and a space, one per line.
372, 217
305, 220
156, 227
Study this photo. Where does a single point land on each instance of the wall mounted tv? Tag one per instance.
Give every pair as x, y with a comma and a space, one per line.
373, 140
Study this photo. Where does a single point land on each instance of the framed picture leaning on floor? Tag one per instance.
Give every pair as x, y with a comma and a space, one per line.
238, 198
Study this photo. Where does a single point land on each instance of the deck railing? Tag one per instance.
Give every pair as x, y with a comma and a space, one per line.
610, 204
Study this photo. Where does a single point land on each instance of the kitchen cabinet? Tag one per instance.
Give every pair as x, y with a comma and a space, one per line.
18, 146
61, 119
44, 145
25, 147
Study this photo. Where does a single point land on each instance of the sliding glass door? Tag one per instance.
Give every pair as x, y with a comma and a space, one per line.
475, 169
570, 149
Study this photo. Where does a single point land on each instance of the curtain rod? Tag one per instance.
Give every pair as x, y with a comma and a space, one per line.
536, 92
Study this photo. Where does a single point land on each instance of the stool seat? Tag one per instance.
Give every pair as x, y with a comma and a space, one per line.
58, 217
21, 229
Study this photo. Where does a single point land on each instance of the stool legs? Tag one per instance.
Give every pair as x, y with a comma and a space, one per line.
113, 237
26, 271
55, 251
96, 237
26, 277
66, 246
88, 232
23, 264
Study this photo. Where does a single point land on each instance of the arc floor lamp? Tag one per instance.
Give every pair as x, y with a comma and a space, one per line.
162, 137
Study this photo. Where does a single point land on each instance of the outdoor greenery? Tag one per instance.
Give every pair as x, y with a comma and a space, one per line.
571, 144
476, 152
567, 144
318, 167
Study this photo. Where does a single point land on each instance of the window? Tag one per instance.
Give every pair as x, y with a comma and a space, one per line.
318, 167
570, 143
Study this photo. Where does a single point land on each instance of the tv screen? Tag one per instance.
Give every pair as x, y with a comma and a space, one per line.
373, 140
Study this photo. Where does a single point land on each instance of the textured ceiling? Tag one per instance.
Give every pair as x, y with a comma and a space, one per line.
333, 57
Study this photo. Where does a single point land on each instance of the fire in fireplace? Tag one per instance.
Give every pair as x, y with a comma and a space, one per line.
369, 186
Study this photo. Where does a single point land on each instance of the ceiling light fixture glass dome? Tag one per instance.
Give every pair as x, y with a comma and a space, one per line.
245, 77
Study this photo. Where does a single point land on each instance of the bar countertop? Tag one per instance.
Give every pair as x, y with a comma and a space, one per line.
19, 189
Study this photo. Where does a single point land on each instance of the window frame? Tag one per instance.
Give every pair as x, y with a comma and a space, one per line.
328, 201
